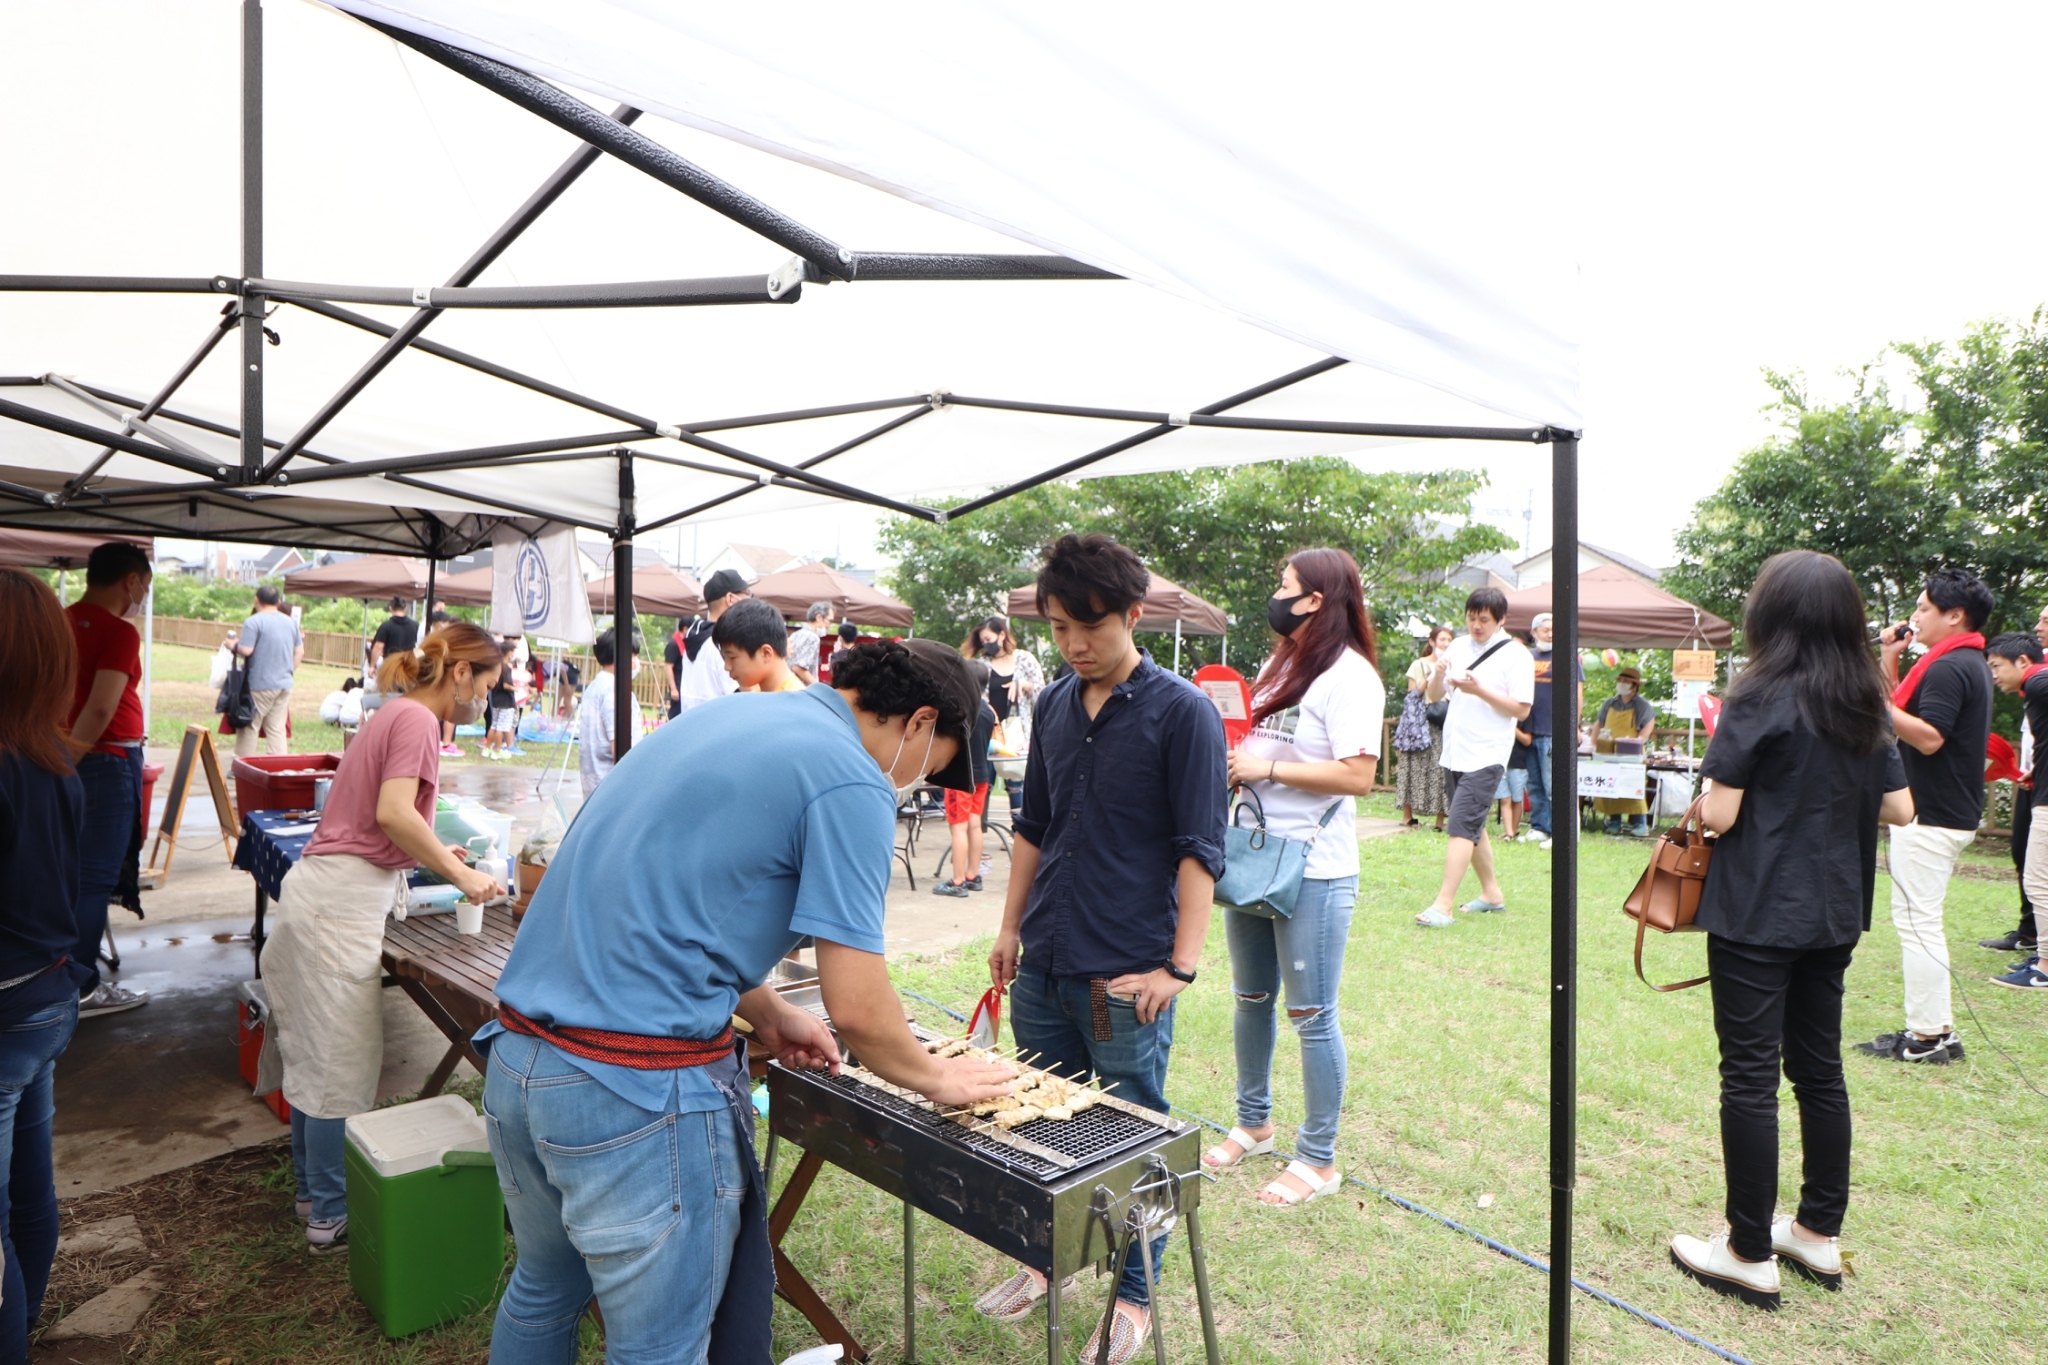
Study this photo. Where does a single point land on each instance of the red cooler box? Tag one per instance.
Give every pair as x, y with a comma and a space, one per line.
280, 781
253, 1009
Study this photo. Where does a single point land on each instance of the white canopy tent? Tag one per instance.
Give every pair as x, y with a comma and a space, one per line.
1187, 238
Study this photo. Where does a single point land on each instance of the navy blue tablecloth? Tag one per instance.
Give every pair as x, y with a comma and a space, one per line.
263, 854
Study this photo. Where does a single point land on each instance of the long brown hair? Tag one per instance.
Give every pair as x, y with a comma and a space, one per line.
970, 648
1342, 622
38, 672
445, 646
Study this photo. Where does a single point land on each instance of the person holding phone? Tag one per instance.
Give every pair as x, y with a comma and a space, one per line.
1419, 778
324, 960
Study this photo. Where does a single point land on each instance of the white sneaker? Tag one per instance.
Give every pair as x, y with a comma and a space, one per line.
327, 1234
1715, 1266
1544, 843
1820, 1262
107, 998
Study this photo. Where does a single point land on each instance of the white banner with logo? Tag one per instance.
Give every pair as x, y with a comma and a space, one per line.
536, 588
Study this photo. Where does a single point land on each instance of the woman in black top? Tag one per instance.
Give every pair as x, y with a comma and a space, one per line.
41, 809
1802, 769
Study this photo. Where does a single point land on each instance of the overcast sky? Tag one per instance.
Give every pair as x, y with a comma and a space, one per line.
1791, 186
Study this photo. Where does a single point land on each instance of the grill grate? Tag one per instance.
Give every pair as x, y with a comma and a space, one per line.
1088, 1137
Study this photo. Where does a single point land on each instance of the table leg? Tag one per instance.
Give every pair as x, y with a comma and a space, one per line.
789, 1283
1199, 1254
442, 1020
909, 1283
443, 1069
1054, 1355
256, 929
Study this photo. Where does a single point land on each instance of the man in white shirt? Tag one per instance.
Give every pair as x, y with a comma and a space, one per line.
597, 716
701, 671
1490, 679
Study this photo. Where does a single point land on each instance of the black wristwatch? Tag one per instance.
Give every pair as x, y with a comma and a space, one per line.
1176, 973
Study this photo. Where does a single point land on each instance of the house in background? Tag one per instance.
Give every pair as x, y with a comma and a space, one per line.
1536, 569
253, 566
753, 562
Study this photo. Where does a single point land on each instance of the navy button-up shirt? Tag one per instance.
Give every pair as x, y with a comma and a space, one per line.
1114, 804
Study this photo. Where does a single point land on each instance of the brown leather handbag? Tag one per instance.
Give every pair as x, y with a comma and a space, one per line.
1668, 896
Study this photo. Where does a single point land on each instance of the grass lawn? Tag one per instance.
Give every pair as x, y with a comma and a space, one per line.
1449, 1037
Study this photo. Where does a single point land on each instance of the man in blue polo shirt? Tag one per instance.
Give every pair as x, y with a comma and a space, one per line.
1119, 841
616, 1103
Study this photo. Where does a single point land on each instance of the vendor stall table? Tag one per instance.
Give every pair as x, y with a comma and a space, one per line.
266, 855
452, 977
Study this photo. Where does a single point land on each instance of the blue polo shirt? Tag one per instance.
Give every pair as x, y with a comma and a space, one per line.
718, 841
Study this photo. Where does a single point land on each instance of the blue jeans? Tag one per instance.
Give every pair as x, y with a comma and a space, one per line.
1306, 955
1052, 1016
318, 1164
1539, 784
113, 791
28, 1208
639, 1208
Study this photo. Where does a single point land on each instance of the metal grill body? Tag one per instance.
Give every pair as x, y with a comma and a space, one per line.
1034, 1200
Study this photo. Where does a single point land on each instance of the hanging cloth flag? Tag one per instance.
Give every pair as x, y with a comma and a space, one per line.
535, 586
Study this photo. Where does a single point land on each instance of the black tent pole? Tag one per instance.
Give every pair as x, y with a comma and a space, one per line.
622, 614
433, 563
252, 237
1564, 881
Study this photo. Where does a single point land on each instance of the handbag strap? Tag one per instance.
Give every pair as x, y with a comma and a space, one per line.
1641, 926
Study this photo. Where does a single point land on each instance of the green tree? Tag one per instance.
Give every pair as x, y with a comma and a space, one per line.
1220, 533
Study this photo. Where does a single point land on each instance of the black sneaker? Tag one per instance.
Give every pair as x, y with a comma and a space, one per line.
972, 883
2011, 943
948, 889
1904, 1047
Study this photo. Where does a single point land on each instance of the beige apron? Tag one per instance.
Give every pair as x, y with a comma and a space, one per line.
1620, 725
324, 966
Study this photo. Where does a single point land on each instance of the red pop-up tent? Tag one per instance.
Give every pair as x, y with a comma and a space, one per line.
1618, 610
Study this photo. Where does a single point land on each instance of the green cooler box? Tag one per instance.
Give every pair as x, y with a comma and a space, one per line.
426, 1220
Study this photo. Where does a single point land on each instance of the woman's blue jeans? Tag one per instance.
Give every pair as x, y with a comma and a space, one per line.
1304, 954
28, 1207
640, 1209
319, 1164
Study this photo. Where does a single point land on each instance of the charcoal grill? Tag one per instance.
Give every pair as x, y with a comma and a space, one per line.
1057, 1196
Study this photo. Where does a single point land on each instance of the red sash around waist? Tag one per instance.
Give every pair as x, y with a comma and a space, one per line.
623, 1049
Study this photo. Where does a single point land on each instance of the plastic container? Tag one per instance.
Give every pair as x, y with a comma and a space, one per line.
460, 821
426, 1220
280, 781
252, 1016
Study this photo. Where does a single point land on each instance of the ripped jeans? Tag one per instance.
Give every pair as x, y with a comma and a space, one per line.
1304, 954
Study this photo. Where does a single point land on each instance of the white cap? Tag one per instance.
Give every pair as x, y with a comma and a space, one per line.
1542, 620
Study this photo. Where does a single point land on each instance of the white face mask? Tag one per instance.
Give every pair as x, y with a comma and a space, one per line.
467, 712
1624, 690
904, 791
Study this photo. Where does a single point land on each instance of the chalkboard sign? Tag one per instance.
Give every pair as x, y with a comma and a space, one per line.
197, 752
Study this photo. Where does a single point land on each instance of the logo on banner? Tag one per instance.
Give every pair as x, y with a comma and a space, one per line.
532, 585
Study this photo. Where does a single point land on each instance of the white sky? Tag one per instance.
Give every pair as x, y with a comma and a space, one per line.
1764, 185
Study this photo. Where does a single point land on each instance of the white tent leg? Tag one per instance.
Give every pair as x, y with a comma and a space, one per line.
148, 649
1176, 646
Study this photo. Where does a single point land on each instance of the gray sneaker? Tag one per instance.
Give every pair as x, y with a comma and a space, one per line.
107, 998
327, 1234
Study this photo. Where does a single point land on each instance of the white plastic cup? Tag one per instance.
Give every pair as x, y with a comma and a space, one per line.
469, 917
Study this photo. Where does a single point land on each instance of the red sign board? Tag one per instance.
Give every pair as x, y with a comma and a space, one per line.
1233, 697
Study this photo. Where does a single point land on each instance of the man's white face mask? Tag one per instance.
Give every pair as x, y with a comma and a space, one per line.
911, 786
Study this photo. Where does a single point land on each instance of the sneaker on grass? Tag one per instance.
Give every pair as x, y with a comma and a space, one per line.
2027, 976
327, 1234
1906, 1047
107, 998
2012, 942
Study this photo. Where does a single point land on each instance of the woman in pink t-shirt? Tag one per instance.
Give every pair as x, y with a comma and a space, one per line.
324, 961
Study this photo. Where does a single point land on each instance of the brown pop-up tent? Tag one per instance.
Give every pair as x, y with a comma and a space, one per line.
657, 589
1618, 610
366, 577
1167, 604
57, 549
792, 591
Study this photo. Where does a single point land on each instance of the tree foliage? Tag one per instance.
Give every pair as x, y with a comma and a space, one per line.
1956, 473
1220, 533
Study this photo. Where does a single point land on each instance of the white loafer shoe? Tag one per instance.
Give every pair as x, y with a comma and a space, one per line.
1820, 1262
1715, 1266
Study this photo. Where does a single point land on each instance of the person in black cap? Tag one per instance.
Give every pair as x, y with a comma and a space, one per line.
701, 676
398, 635
617, 1099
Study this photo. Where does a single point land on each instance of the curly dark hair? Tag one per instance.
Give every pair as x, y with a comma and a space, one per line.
888, 681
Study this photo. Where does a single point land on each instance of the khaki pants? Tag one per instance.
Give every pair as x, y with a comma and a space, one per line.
272, 706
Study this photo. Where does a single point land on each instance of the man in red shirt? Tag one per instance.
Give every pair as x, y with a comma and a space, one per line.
106, 713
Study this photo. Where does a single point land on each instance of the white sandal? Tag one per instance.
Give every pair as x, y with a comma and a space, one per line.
1292, 1198
1248, 1146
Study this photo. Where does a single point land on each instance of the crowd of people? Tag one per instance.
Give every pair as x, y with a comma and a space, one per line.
614, 1041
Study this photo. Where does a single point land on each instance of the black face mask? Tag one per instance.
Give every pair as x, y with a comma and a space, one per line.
991, 648
1280, 613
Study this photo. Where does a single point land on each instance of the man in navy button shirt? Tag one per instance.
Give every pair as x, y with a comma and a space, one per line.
1119, 841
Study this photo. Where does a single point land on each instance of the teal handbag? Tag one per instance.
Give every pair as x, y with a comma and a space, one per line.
1263, 871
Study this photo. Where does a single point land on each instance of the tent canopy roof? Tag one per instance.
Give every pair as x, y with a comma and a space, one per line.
1258, 234
365, 576
792, 591
1165, 603
57, 549
1618, 610
657, 588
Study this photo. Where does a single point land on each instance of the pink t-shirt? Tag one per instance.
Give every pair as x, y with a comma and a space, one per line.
400, 739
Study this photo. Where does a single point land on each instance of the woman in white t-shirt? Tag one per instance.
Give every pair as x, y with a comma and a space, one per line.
1318, 710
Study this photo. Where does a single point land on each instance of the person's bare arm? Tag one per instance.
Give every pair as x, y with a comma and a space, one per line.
1330, 777
1919, 733
100, 703
866, 1010
797, 1038
376, 656
1002, 959
1720, 804
803, 675
1897, 808
403, 824
298, 653
1153, 990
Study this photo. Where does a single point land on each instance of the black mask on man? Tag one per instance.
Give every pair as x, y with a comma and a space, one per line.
1280, 613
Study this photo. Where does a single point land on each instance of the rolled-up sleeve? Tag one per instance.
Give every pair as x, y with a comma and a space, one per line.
1198, 784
